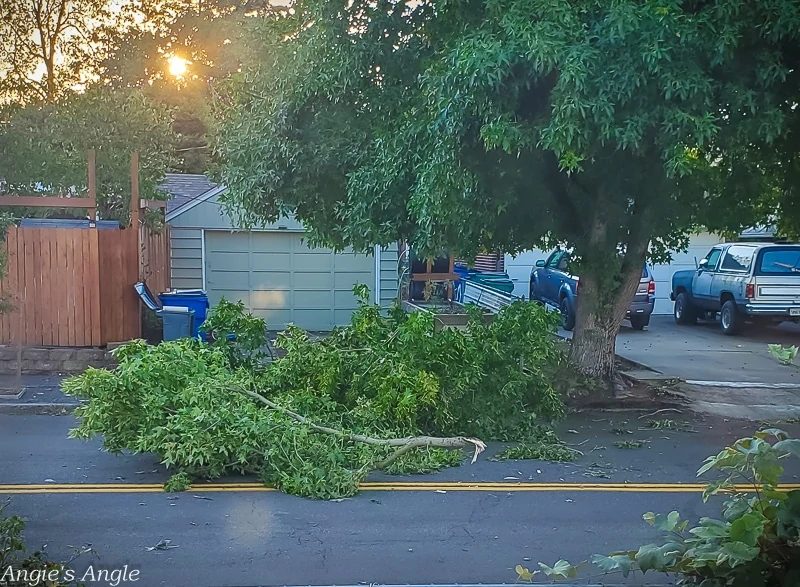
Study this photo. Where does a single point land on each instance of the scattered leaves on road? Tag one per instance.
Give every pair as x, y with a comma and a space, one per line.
629, 444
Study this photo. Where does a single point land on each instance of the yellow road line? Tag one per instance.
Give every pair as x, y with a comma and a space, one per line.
52, 488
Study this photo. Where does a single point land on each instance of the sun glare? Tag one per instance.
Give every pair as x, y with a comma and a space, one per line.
177, 66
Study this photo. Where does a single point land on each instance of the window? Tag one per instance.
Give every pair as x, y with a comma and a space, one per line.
552, 259
780, 261
713, 259
563, 262
738, 258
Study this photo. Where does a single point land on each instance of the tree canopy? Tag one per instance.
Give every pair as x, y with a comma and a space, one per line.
43, 149
613, 127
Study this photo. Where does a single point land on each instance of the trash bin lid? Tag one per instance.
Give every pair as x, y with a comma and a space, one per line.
147, 296
184, 293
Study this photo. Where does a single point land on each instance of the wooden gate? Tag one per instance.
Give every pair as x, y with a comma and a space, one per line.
74, 286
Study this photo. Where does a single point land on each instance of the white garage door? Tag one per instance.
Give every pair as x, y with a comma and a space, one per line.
519, 269
281, 279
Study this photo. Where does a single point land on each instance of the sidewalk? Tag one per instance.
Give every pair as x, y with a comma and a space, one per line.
34, 394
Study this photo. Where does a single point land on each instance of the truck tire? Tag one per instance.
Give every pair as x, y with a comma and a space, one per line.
567, 314
639, 322
684, 312
730, 318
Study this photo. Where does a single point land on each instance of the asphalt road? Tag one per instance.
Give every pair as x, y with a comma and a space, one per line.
425, 534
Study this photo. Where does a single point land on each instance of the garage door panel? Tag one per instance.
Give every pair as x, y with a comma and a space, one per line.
228, 261
348, 262
345, 299
231, 295
307, 261
233, 280
341, 317
273, 242
229, 241
270, 280
314, 300
311, 319
270, 299
271, 261
346, 281
309, 280
275, 319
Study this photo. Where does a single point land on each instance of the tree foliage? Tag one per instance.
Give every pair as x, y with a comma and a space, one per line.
756, 543
381, 377
615, 128
43, 148
49, 46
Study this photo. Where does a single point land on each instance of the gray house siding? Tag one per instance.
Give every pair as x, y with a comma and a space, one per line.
186, 258
389, 276
186, 247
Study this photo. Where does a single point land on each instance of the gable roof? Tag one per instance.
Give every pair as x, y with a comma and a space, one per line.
184, 187
189, 203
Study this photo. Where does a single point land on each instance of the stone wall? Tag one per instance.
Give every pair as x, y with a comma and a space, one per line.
42, 361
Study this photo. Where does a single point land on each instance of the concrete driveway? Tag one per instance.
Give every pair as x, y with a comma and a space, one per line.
702, 353
728, 376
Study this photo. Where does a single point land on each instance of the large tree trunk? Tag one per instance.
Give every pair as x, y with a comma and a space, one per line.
605, 291
600, 312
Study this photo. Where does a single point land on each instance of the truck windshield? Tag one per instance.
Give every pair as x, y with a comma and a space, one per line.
780, 261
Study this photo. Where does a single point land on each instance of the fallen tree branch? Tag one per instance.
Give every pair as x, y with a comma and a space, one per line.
404, 445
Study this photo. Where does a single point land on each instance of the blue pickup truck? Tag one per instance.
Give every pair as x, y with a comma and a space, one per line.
552, 283
742, 282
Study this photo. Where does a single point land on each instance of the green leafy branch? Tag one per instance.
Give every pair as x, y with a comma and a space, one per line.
785, 355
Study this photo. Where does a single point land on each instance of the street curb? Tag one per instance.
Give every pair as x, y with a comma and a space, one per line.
32, 409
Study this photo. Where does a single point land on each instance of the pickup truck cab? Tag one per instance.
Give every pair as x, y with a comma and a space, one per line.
552, 283
755, 282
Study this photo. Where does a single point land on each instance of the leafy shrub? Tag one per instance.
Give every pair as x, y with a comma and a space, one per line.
243, 336
756, 543
382, 376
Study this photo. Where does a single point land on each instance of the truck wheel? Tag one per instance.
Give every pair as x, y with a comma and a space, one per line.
567, 315
639, 322
730, 319
684, 312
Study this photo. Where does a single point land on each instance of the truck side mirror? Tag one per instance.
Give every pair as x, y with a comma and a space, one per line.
540, 263
703, 265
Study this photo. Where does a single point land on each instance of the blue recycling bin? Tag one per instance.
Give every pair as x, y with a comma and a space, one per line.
194, 299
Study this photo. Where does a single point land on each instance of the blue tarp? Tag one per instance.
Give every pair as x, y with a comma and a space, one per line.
65, 223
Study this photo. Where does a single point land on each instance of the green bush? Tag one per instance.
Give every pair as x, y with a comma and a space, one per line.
755, 544
382, 376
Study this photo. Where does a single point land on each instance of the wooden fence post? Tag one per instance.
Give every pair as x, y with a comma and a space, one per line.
92, 185
135, 211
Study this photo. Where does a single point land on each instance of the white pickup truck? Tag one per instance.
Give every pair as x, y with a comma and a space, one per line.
743, 282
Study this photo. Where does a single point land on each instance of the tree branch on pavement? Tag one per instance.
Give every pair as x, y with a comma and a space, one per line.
405, 444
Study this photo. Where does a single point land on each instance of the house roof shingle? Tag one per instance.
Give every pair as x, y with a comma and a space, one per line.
184, 187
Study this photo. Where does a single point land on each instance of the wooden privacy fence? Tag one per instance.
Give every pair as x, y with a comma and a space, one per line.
74, 286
